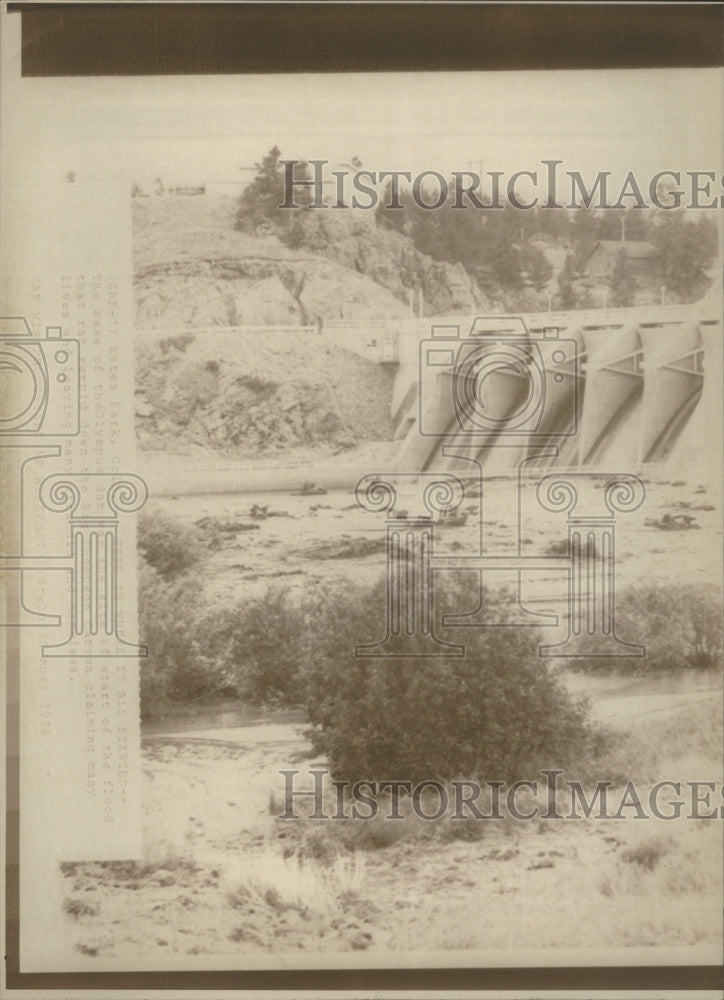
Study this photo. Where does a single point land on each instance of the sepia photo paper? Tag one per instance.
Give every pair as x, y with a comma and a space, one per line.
361, 539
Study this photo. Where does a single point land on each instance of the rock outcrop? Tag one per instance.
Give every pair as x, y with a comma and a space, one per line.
247, 394
205, 273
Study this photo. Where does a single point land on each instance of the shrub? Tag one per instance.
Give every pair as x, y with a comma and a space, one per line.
180, 665
177, 343
293, 883
261, 641
80, 907
647, 854
680, 626
251, 651
166, 544
496, 713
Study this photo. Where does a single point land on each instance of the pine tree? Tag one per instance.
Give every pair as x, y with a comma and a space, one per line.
393, 218
538, 268
260, 202
686, 250
585, 233
566, 298
623, 283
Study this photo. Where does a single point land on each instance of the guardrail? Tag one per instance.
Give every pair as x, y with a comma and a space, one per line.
176, 331
374, 340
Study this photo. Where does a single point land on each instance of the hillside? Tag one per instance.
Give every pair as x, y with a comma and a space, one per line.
242, 394
192, 268
246, 394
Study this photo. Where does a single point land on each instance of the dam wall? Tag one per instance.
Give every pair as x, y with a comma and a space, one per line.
616, 388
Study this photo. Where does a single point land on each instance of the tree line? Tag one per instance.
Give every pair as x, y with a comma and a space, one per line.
504, 249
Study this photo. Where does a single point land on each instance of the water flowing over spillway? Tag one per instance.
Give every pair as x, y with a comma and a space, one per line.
623, 389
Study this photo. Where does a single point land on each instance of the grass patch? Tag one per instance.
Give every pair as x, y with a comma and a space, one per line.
646, 854
80, 907
294, 882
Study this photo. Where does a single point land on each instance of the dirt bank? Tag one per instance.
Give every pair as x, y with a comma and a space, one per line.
222, 875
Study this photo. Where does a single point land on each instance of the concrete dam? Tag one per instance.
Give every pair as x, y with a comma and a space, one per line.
616, 388
571, 405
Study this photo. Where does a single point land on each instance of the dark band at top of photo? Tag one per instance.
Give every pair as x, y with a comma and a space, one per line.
155, 39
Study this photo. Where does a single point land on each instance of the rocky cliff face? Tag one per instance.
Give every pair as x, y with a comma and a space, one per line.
244, 394
266, 290
192, 268
391, 261
254, 393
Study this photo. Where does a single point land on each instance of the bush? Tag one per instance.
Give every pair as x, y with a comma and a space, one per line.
250, 651
166, 544
261, 641
680, 626
181, 665
496, 713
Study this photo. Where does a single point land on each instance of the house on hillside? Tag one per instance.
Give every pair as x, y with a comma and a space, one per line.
184, 186
185, 190
640, 257
162, 187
